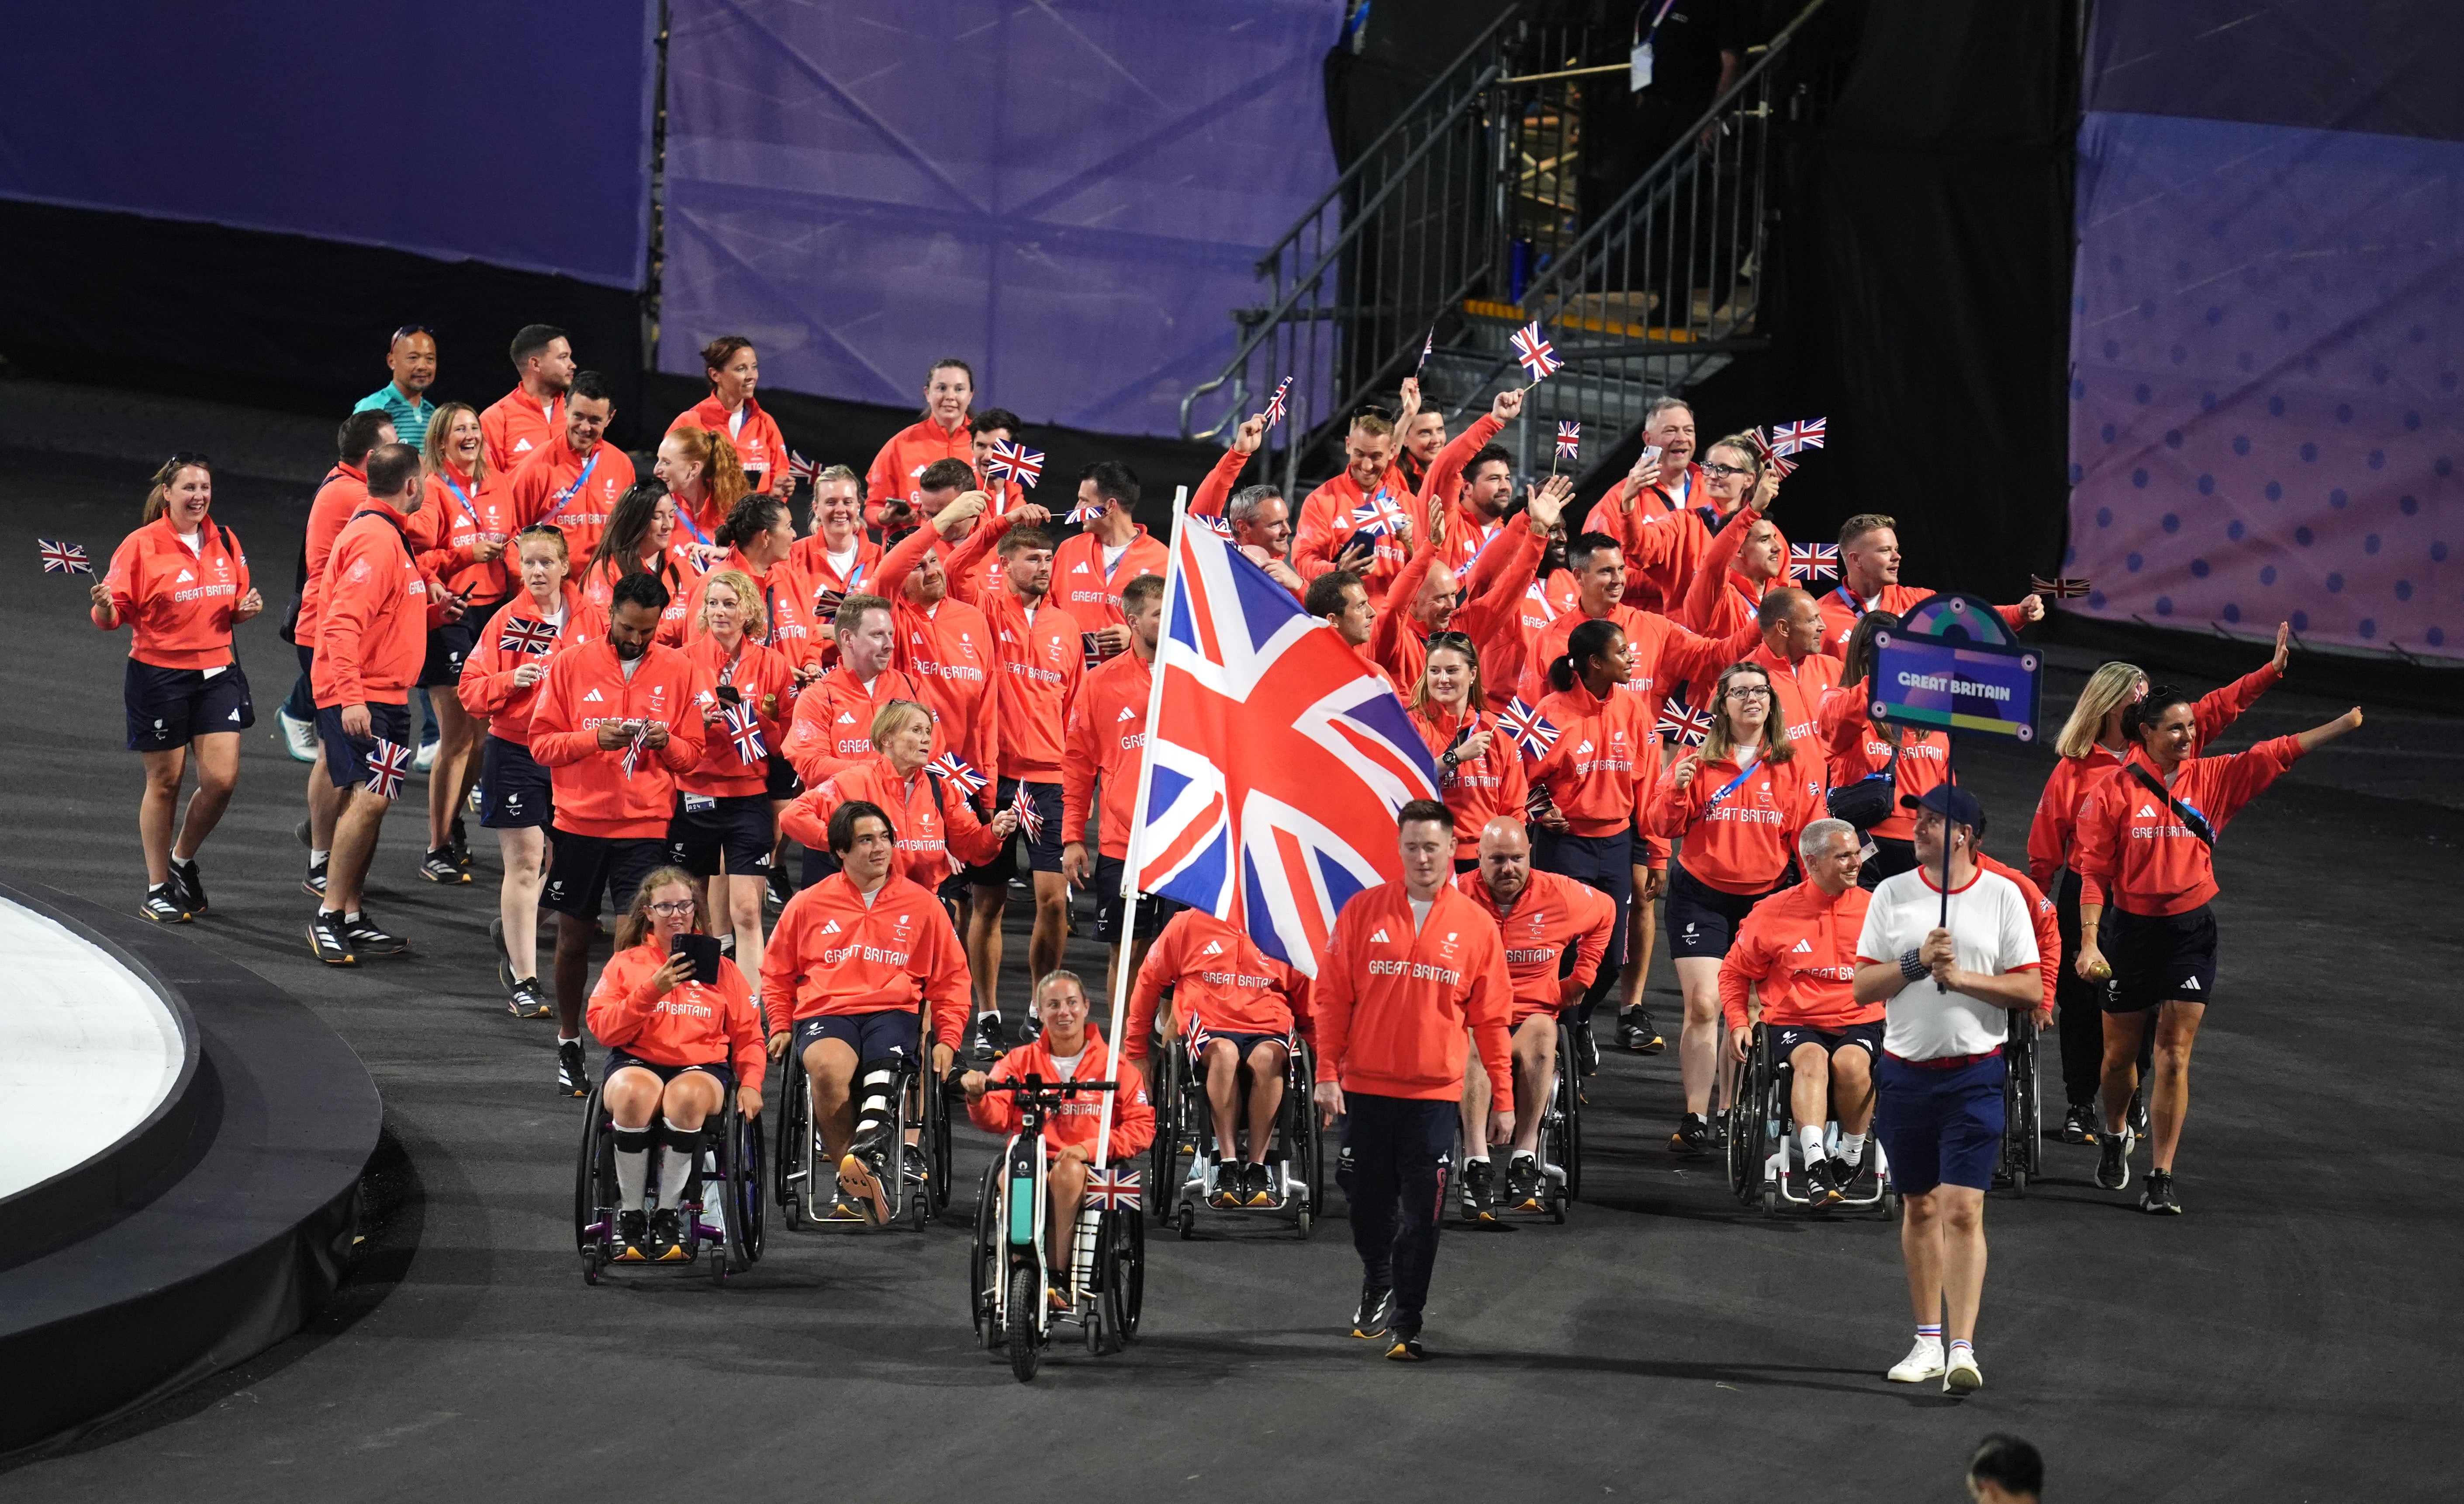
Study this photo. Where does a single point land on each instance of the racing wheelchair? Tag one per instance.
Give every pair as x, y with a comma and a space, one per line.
1766, 1162
1008, 1281
1184, 1134
805, 1176
724, 1216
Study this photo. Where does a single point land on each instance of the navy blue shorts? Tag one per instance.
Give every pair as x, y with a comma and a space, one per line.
1702, 919
782, 782
706, 827
346, 758
1605, 863
891, 1034
619, 1060
1786, 1038
514, 789
1200, 1039
1939, 1127
450, 645
2158, 958
170, 708
1152, 911
1042, 856
582, 869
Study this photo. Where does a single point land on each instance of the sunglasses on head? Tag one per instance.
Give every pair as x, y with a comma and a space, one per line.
408, 330
186, 457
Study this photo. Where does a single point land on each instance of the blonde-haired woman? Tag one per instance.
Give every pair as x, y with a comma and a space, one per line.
180, 581
1739, 801
2092, 745
935, 827
724, 830
1480, 767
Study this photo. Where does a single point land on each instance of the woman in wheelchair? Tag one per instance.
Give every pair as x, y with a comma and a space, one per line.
1067, 1051
1238, 1007
670, 1037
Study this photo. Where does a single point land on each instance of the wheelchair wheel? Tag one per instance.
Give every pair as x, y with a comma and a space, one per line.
936, 1139
1302, 1143
1121, 1258
1570, 1092
1163, 1156
748, 1210
1750, 1122
795, 1108
1025, 1331
983, 1294
715, 1191
592, 1172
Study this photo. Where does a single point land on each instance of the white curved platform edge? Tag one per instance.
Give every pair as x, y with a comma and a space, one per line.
87, 1050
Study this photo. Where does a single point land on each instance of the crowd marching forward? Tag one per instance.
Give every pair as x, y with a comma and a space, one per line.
647, 686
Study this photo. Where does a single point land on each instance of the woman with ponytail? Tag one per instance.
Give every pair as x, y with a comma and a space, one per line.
700, 469
637, 542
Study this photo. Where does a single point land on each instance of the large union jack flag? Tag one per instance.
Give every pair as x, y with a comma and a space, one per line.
1276, 758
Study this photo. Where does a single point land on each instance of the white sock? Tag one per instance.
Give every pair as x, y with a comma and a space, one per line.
1481, 1157
1526, 1154
1961, 1344
316, 859
632, 1173
1810, 1140
674, 1167
1852, 1147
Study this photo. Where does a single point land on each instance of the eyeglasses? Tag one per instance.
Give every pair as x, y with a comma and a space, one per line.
408, 330
1746, 691
1724, 471
676, 908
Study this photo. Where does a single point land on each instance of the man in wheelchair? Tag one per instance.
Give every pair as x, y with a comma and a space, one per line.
1067, 1049
1797, 951
852, 959
670, 1037
1557, 930
1240, 1010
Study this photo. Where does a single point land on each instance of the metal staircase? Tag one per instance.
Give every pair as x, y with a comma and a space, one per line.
1460, 223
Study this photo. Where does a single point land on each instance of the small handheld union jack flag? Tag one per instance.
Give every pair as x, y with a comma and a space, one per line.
1762, 444
1808, 562
1428, 347
1015, 461
1113, 1189
527, 634
1528, 727
957, 768
64, 558
1532, 348
1279, 404
1030, 819
1569, 441
799, 468
744, 729
634, 749
1377, 516
1790, 438
2064, 588
1683, 724
388, 766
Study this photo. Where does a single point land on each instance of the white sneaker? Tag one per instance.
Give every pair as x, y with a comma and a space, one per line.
1923, 1361
299, 737
1963, 1376
426, 758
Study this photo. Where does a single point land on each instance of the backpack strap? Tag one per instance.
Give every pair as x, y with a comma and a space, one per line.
2192, 819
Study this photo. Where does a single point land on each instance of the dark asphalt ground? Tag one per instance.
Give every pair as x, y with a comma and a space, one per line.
2291, 1338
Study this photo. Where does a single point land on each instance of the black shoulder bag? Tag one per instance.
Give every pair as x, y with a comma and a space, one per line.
2192, 819
1869, 802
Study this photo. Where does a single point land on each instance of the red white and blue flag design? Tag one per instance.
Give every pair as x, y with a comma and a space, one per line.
1569, 441
525, 635
1530, 729
1792, 438
1113, 1189
1276, 758
799, 468
1220, 527
1377, 516
1683, 724
744, 729
388, 766
1533, 349
1278, 405
1015, 461
958, 771
64, 558
1030, 819
1812, 561
634, 749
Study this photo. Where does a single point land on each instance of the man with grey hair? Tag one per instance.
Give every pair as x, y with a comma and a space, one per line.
1664, 480
1791, 969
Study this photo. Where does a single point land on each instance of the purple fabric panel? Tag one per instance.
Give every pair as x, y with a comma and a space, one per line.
2267, 331
2383, 66
518, 135
1071, 197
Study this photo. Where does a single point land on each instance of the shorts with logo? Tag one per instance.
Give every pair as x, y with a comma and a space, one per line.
168, 708
887, 1035
1152, 911
346, 756
1201, 1037
583, 869
619, 1060
450, 645
1041, 854
2157, 958
1786, 1038
1702, 919
514, 789
1940, 1127
706, 827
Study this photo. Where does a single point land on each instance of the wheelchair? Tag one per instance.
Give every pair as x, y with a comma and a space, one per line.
1762, 1149
723, 1200
2023, 1109
1009, 1284
1561, 1143
805, 1178
1184, 1134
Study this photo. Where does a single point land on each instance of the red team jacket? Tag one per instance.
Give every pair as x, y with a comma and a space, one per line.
1220, 982
1551, 914
696, 1024
586, 685
1079, 1116
1391, 1006
1799, 947
833, 953
177, 601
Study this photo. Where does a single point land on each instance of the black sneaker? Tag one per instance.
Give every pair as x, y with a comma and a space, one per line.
989, 1045
781, 889
1587, 1049
189, 885
163, 905
1258, 1185
328, 942
2138, 1118
632, 1235
1222, 1183
367, 940
1637, 1033
314, 884
1377, 1306
1845, 1175
438, 867
301, 830
668, 1236
1821, 1190
458, 843
1407, 1350
1692, 1138
527, 1001
505, 977
1479, 1191
2078, 1123
572, 1075
1524, 1182
2158, 1197
1030, 1029
2112, 1158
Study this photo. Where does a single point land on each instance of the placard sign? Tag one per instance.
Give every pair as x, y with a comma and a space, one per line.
1951, 665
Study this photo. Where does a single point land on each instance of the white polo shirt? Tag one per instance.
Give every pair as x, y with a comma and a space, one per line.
1991, 931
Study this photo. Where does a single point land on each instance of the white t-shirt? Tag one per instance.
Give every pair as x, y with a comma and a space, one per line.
1991, 931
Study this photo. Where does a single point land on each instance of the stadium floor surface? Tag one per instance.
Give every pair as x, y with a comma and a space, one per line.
2285, 1339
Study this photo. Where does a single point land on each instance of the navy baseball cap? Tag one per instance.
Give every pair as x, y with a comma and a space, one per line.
1950, 801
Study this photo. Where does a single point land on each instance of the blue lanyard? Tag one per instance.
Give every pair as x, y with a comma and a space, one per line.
1714, 799
1856, 607
469, 510
568, 493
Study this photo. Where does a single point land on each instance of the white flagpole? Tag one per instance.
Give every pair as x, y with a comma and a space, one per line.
1130, 858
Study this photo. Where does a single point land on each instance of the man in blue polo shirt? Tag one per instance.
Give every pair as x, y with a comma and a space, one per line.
1951, 985
412, 357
